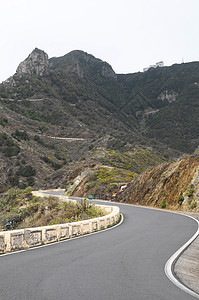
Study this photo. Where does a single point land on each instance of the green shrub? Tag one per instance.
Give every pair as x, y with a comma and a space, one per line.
38, 140
3, 138
89, 185
14, 180
3, 121
20, 135
52, 163
189, 191
26, 171
7, 145
180, 200
27, 192
163, 204
12, 150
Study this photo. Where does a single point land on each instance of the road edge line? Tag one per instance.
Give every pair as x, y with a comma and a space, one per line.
169, 266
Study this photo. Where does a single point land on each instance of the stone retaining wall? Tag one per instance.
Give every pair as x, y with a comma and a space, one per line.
15, 240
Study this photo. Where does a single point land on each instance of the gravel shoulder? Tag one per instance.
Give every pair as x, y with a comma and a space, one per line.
187, 265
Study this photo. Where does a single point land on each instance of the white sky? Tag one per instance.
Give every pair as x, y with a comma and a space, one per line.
128, 34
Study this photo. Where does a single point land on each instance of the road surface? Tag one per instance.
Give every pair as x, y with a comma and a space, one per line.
124, 263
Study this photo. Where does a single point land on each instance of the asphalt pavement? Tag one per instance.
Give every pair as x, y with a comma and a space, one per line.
124, 263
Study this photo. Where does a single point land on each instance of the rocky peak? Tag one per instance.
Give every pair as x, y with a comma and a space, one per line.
83, 64
35, 64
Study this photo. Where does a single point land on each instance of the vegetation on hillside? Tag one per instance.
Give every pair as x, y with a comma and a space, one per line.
106, 180
20, 209
81, 96
109, 171
127, 107
176, 123
135, 160
7, 146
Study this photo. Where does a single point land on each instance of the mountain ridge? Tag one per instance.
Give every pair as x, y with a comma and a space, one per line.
80, 96
138, 100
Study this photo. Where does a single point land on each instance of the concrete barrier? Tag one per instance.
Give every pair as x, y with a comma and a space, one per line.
20, 239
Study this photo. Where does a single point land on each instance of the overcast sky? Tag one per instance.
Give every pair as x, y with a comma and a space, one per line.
128, 34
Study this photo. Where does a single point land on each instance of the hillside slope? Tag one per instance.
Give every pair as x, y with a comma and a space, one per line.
172, 185
85, 96
81, 97
108, 171
166, 103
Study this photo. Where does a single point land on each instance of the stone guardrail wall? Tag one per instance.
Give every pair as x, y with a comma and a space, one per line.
20, 239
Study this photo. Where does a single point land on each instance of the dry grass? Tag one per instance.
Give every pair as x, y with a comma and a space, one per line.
20, 209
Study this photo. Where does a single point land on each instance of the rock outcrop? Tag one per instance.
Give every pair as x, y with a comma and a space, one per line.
108, 72
176, 184
36, 64
171, 96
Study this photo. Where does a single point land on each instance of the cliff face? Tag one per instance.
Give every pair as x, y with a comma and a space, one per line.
174, 185
35, 64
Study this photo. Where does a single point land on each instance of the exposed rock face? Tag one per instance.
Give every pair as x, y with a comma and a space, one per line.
166, 183
168, 95
107, 71
35, 64
78, 70
9, 82
82, 59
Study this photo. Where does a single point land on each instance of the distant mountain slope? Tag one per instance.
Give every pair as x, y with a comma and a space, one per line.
80, 96
161, 104
75, 87
166, 103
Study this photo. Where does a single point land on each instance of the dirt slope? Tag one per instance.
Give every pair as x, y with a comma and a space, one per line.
174, 185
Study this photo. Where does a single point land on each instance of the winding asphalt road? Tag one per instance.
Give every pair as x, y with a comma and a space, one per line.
124, 263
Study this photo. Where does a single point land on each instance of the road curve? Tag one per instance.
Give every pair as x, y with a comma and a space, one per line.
125, 263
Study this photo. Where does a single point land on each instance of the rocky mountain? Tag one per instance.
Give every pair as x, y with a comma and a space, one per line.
55, 112
159, 106
36, 64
